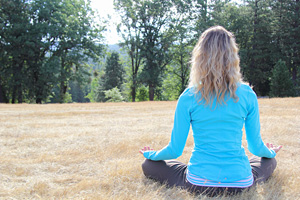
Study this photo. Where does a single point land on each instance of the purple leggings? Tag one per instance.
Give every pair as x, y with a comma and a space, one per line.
173, 173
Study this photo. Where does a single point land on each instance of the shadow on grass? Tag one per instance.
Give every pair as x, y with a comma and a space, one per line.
270, 190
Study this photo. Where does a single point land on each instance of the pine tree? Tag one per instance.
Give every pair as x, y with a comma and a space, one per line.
287, 35
281, 83
113, 77
114, 72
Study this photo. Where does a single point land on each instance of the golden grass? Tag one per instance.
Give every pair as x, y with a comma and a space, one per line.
90, 151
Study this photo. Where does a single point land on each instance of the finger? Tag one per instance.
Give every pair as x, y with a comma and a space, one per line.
268, 145
279, 147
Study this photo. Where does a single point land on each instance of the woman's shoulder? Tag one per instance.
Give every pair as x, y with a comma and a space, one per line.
244, 91
245, 88
187, 96
188, 93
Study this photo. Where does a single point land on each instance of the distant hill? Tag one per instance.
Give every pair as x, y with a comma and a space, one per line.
110, 48
114, 47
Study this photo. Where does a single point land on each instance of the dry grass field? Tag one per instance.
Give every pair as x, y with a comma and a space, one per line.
90, 151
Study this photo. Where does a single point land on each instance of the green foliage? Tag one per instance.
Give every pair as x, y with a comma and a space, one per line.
126, 90
92, 95
112, 76
67, 98
281, 82
286, 35
171, 87
51, 45
132, 44
260, 52
78, 92
142, 93
114, 72
150, 35
113, 95
54, 96
47, 42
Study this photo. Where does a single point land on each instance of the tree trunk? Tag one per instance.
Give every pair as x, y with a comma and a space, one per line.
3, 97
151, 92
133, 88
63, 85
13, 97
63, 91
38, 101
182, 84
1, 94
133, 93
20, 95
17, 83
294, 75
38, 90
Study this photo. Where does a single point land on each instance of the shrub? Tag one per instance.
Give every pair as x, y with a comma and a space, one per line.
113, 95
142, 93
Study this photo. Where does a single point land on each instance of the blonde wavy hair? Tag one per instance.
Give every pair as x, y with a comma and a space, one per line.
215, 70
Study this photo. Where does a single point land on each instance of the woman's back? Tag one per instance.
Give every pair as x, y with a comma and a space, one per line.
218, 154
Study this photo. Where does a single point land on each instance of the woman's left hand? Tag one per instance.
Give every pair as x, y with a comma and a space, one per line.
145, 149
274, 147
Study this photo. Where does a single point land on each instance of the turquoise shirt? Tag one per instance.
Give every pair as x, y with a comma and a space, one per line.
218, 154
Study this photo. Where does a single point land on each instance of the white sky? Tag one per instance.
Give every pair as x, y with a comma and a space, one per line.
105, 8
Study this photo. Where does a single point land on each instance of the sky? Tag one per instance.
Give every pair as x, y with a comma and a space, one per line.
104, 8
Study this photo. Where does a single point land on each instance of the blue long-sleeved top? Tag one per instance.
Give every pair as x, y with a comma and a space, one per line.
218, 154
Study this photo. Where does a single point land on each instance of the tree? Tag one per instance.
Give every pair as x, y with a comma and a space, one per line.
114, 72
142, 94
78, 92
13, 34
181, 53
171, 87
184, 40
156, 24
79, 39
238, 20
287, 35
152, 22
202, 16
132, 40
93, 92
281, 82
260, 64
46, 42
113, 76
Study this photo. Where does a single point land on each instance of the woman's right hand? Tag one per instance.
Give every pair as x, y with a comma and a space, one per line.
273, 147
145, 149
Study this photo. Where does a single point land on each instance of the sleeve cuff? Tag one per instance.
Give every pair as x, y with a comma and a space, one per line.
148, 154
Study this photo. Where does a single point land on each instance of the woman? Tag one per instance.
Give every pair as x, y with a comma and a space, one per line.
217, 105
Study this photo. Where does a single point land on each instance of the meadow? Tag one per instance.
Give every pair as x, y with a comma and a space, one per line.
90, 151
